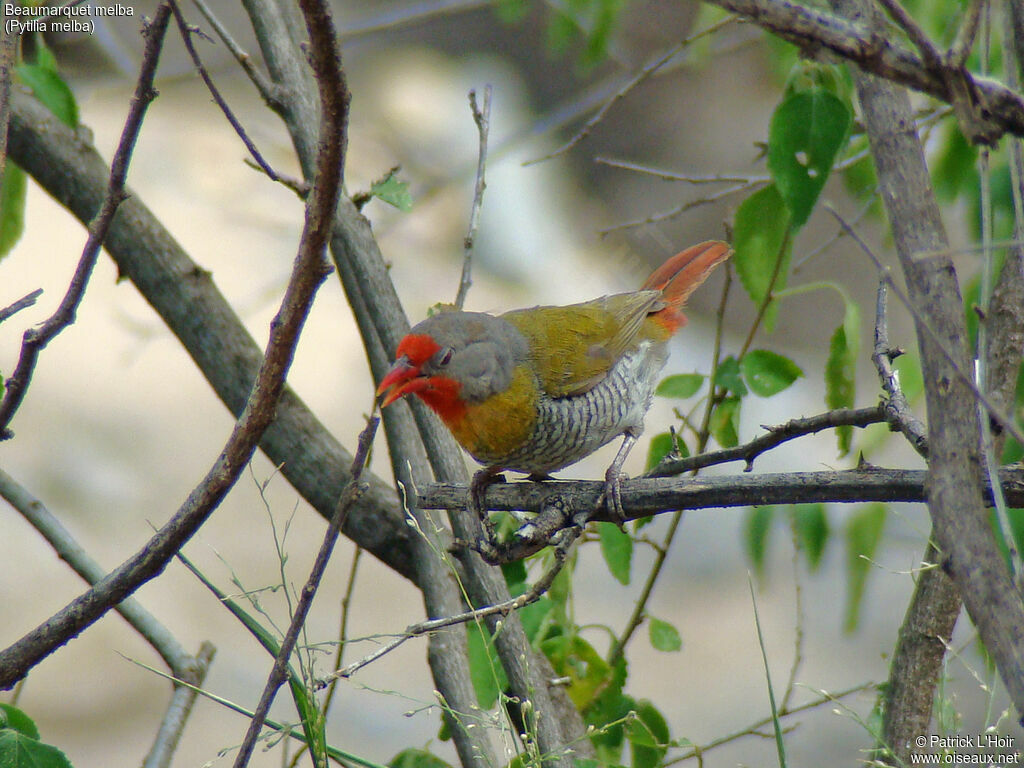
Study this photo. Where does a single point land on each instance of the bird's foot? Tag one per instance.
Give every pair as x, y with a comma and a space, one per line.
611, 497
478, 505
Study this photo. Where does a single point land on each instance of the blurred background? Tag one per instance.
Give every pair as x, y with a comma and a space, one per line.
119, 426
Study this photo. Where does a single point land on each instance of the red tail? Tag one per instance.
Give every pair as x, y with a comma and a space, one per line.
678, 277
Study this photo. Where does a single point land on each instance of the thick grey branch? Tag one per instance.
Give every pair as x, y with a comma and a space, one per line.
994, 108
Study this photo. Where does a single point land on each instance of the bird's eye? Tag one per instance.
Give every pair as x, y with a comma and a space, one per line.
446, 356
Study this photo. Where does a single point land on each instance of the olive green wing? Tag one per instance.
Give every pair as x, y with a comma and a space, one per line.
574, 347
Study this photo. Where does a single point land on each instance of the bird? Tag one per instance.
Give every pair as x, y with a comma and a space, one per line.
536, 390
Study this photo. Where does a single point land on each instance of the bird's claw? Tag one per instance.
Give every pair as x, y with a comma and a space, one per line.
611, 497
478, 505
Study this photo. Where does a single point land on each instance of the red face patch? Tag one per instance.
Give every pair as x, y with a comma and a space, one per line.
418, 348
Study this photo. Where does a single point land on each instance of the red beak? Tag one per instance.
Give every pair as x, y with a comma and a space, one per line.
403, 379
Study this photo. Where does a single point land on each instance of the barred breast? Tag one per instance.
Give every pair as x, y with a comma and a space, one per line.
569, 428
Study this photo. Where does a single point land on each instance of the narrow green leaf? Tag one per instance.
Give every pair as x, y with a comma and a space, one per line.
768, 373
681, 385
663, 636
13, 188
863, 532
780, 746
49, 88
807, 131
648, 736
757, 526
760, 241
484, 670
617, 548
725, 423
840, 380
393, 192
811, 526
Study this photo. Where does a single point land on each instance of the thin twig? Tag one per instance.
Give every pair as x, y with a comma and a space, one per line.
23, 303
689, 178
532, 595
186, 37
35, 339
792, 429
258, 78
299, 186
931, 55
958, 52
279, 672
688, 206
482, 118
645, 73
755, 728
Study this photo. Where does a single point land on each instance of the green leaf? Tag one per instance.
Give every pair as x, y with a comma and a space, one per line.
416, 758
660, 447
841, 379
393, 192
863, 532
725, 423
648, 736
18, 750
663, 636
955, 169
13, 718
811, 527
768, 373
617, 548
515, 575
49, 88
756, 527
760, 241
807, 131
484, 670
512, 11
13, 188
681, 385
729, 376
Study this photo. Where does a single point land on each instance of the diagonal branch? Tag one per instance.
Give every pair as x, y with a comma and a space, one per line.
308, 273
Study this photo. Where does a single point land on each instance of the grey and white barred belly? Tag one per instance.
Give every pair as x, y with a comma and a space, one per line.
570, 428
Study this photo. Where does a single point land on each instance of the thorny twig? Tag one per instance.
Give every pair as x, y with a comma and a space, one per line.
897, 409
995, 413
